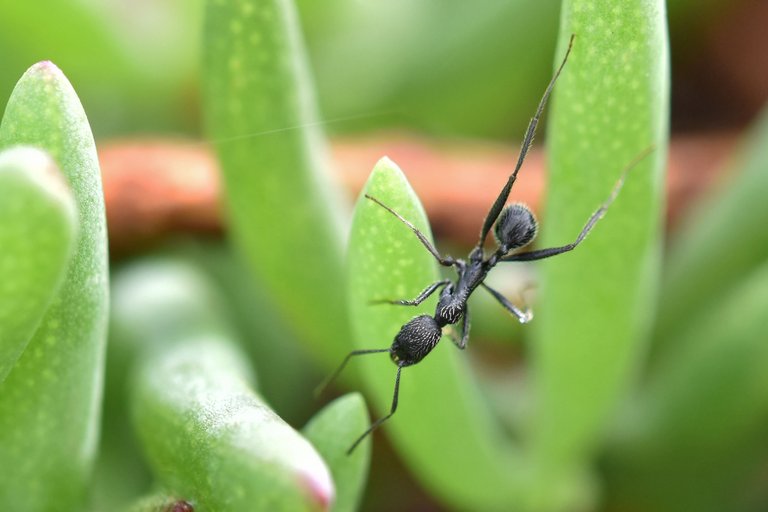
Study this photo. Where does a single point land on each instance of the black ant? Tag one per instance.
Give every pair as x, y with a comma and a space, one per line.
515, 228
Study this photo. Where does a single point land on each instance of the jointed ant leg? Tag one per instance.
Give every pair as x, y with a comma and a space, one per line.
522, 316
462, 344
599, 213
498, 204
445, 261
335, 374
429, 290
378, 422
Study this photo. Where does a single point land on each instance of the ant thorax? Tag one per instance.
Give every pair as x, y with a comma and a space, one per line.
450, 307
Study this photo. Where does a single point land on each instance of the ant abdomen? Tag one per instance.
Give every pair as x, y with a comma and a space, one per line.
516, 227
415, 340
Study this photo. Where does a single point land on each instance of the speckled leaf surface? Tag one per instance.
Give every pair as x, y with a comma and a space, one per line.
49, 403
442, 427
610, 105
37, 231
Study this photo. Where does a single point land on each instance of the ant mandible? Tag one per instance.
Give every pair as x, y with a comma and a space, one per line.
515, 228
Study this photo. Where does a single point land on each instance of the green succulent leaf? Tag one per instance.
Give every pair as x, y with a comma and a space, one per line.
207, 435
49, 403
260, 116
332, 431
37, 233
610, 104
156, 302
441, 426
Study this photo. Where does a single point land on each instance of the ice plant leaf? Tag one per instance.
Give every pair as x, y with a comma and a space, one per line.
37, 231
49, 403
331, 431
261, 119
442, 422
610, 105
208, 436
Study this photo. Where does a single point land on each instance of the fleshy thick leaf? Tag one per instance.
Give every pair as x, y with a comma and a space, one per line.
261, 119
207, 435
49, 403
37, 232
156, 302
331, 431
610, 104
441, 428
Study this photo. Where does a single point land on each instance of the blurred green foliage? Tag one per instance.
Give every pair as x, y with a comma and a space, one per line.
543, 424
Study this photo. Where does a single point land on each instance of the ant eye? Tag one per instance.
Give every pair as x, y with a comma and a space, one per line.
516, 227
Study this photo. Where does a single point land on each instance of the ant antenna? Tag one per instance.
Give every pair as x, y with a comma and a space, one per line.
498, 205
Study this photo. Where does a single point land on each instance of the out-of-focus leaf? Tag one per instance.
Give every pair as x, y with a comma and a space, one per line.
441, 66
695, 438
37, 232
154, 303
442, 428
261, 118
610, 104
272, 346
207, 435
137, 60
49, 403
724, 240
332, 431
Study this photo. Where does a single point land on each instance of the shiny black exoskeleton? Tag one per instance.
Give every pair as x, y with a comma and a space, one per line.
514, 228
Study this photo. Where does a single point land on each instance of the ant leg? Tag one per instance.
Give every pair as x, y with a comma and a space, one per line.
599, 213
445, 261
554, 251
319, 389
522, 316
380, 420
462, 344
429, 290
498, 204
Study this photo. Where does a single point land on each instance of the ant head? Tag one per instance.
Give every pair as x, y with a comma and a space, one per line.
516, 227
